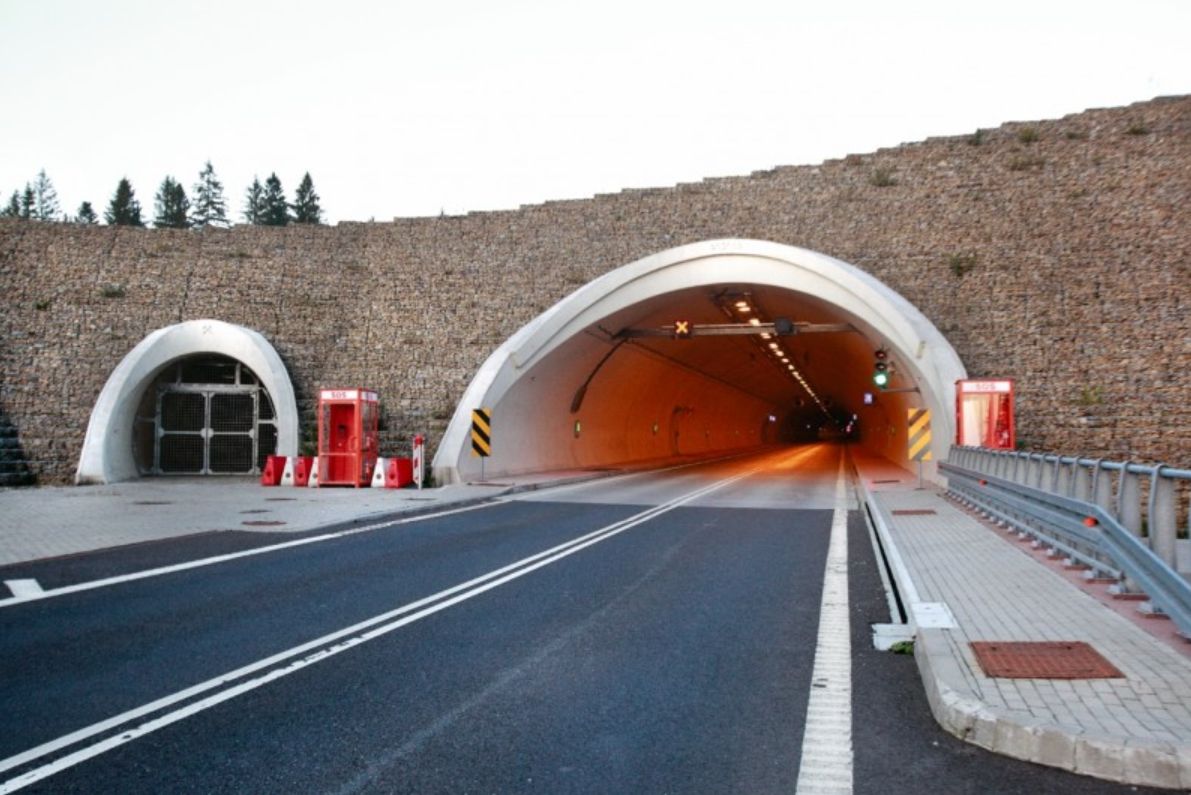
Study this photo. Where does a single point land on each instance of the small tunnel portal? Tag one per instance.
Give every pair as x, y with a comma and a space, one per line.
781, 350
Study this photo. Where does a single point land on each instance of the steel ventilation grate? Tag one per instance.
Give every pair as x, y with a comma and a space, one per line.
1043, 660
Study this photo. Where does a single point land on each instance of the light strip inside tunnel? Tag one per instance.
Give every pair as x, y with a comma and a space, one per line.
742, 308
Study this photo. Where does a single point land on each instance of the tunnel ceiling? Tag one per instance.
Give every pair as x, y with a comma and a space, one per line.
836, 365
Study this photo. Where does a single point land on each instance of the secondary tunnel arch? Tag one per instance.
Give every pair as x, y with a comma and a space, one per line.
568, 390
110, 447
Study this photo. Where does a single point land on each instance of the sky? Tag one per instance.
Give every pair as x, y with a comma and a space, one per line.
402, 109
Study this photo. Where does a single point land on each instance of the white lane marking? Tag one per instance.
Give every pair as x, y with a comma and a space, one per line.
211, 561
827, 742
24, 589
315, 651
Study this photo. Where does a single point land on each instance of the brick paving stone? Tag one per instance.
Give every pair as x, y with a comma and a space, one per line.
998, 591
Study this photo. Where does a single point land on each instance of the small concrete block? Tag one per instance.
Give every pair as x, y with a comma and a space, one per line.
1017, 736
1102, 757
1183, 754
1056, 748
952, 713
984, 726
1151, 764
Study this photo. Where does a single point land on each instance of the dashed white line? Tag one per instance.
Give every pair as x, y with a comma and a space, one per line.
24, 589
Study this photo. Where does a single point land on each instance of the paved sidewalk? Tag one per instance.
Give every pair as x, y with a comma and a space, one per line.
1135, 729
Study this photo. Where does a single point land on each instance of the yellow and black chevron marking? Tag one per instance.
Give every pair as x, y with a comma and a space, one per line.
919, 435
481, 432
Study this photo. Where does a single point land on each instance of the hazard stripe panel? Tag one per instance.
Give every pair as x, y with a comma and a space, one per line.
481, 432
919, 435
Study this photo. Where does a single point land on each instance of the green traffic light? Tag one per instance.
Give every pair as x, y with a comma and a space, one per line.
881, 378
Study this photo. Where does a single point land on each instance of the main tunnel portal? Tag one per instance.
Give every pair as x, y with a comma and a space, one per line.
783, 348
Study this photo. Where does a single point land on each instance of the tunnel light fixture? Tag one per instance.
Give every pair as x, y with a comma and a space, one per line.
738, 306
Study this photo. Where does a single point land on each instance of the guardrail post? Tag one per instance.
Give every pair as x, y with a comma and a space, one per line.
1021, 468
1003, 461
1081, 482
1161, 518
1034, 471
1062, 477
1101, 486
1128, 509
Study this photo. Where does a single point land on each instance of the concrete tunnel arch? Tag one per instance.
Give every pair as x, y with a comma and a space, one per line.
533, 381
107, 454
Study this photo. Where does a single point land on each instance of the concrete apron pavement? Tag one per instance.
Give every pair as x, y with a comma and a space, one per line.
971, 582
53, 521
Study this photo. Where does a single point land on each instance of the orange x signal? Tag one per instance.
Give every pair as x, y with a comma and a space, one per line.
682, 328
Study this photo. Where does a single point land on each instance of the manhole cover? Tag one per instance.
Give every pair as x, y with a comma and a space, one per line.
256, 510
263, 523
915, 512
152, 502
1043, 660
886, 481
281, 499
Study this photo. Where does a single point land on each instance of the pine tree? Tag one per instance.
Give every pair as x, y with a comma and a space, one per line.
208, 208
13, 209
276, 211
306, 209
171, 205
45, 199
124, 209
86, 215
254, 203
28, 202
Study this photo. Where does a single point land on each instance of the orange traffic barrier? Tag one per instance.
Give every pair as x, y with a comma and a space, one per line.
399, 472
274, 467
302, 468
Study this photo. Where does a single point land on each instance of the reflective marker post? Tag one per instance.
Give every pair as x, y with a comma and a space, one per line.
419, 457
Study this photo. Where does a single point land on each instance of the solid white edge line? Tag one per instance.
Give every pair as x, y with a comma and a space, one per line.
826, 760
362, 634
247, 553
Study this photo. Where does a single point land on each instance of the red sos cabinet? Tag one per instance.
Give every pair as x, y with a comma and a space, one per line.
984, 413
348, 420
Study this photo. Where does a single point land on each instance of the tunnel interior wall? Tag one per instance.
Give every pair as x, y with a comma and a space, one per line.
636, 408
1052, 252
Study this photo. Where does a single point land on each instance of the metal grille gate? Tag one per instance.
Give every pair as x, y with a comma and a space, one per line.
222, 425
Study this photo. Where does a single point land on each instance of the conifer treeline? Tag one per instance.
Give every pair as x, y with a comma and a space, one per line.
264, 205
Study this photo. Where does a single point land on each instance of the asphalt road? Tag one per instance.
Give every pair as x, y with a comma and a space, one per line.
653, 633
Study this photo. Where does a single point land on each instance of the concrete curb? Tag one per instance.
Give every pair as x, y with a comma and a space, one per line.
1020, 735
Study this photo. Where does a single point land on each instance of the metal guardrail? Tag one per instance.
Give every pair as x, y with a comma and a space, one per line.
1048, 496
